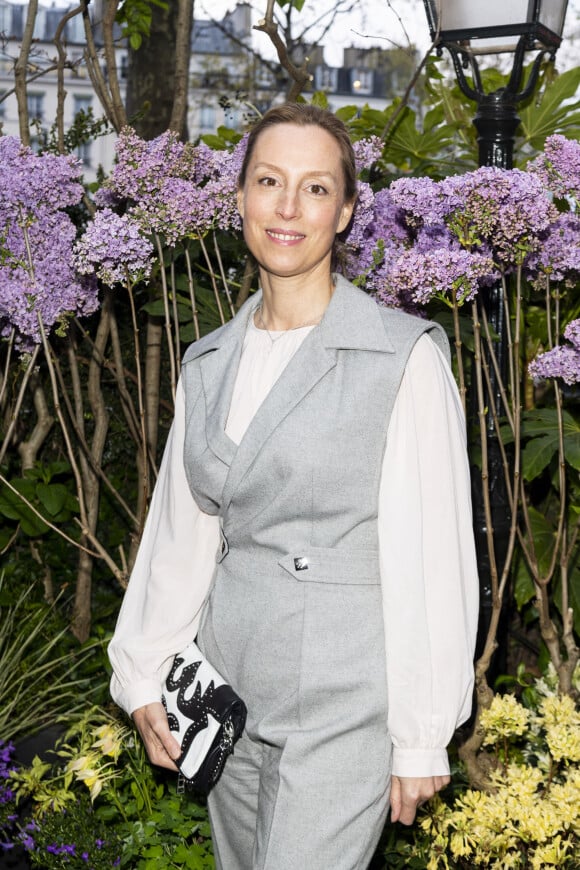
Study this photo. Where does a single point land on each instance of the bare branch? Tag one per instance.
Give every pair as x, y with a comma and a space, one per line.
60, 68
299, 75
20, 73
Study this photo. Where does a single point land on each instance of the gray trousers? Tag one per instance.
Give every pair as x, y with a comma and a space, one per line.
308, 784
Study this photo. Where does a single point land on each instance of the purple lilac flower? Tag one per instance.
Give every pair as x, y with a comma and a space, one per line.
113, 247
37, 273
367, 151
558, 256
423, 200
142, 165
558, 168
28, 180
362, 219
378, 235
172, 190
496, 211
572, 333
160, 176
438, 272
562, 361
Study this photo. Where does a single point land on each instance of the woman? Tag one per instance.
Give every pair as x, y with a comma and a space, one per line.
315, 478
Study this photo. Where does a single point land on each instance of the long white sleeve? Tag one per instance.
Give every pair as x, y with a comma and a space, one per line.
428, 566
169, 582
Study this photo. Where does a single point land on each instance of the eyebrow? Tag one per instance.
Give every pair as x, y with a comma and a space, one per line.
316, 173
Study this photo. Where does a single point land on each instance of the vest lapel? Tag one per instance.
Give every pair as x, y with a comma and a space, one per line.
311, 362
351, 321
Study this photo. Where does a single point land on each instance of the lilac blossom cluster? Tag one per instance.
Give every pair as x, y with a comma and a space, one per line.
562, 361
367, 151
114, 249
168, 188
36, 238
448, 272
558, 167
450, 238
501, 213
558, 257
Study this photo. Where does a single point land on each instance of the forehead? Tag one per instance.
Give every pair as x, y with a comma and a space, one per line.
309, 146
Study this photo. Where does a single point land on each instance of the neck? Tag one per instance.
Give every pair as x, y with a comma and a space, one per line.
291, 303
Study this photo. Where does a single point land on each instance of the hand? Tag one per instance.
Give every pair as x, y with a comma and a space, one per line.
161, 745
410, 792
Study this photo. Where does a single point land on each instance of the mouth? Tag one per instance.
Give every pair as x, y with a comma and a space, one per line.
285, 236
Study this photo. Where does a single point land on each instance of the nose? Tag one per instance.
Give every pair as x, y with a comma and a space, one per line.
287, 206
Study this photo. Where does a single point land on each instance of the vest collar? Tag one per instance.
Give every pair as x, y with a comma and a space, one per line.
351, 321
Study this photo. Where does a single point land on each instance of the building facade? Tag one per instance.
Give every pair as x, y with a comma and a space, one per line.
228, 83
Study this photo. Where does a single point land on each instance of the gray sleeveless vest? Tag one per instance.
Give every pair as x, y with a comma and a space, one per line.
300, 492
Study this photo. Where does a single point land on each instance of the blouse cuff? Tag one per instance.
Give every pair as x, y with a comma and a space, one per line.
420, 762
136, 695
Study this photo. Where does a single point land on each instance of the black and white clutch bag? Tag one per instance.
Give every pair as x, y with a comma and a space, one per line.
206, 716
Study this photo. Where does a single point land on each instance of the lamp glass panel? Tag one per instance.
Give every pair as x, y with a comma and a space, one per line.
463, 14
552, 15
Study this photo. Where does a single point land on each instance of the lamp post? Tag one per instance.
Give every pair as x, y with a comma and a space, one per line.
470, 30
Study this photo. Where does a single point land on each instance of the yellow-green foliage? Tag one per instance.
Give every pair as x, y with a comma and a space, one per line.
530, 818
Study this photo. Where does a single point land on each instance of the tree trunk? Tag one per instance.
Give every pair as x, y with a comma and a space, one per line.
158, 72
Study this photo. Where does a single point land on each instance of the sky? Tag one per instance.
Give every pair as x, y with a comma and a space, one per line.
382, 22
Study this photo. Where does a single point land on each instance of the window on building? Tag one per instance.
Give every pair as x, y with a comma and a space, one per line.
83, 103
207, 117
361, 81
35, 102
75, 29
40, 25
326, 78
6, 20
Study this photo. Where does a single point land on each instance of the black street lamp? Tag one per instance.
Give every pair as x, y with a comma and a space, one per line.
469, 29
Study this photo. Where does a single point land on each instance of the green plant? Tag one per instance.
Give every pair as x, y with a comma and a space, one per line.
529, 819
38, 673
96, 801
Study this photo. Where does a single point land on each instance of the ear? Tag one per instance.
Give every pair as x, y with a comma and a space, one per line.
345, 216
240, 199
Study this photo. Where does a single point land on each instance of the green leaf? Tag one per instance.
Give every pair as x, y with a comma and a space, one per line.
346, 113
52, 496
553, 113
543, 536
524, 590
537, 454
319, 99
213, 141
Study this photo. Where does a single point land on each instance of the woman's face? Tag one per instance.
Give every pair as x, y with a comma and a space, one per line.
292, 202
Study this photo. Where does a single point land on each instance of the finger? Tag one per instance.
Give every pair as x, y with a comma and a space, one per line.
407, 813
165, 738
395, 799
441, 781
162, 747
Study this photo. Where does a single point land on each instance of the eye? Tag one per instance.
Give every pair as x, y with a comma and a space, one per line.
317, 189
267, 181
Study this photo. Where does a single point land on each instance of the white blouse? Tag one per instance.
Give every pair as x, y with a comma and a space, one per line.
427, 555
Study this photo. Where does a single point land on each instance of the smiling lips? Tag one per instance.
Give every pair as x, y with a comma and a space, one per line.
284, 236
